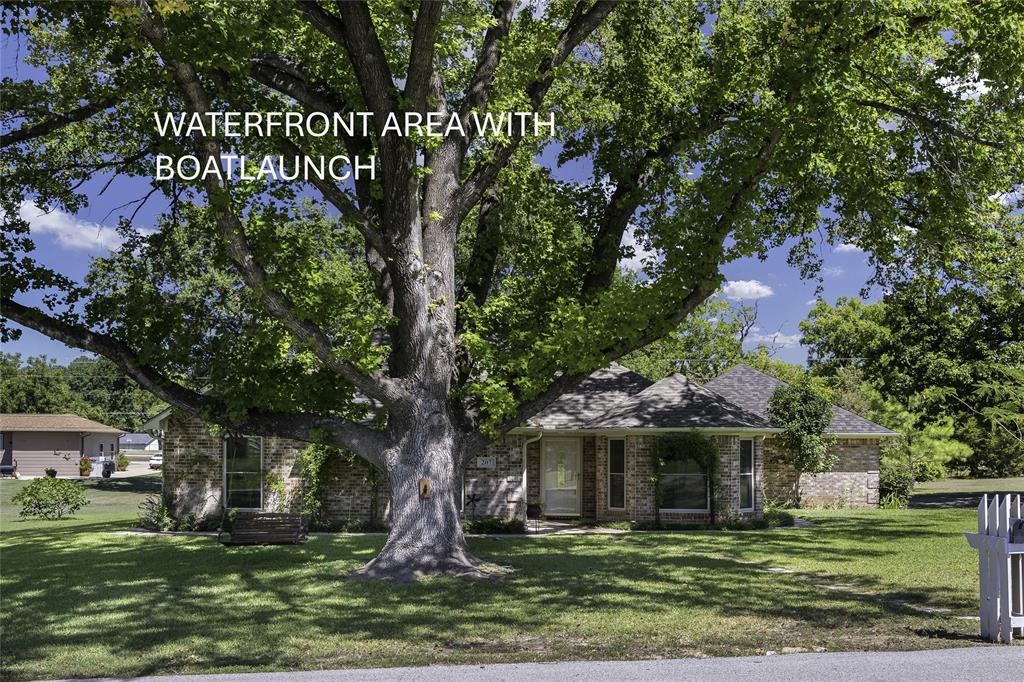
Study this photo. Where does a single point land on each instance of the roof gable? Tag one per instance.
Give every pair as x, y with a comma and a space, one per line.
594, 396
677, 403
752, 389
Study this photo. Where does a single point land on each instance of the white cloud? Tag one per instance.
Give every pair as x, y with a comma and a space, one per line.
1011, 198
746, 289
68, 231
847, 248
832, 271
964, 89
811, 301
640, 257
778, 339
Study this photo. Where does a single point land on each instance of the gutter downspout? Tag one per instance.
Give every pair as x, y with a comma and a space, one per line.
526, 445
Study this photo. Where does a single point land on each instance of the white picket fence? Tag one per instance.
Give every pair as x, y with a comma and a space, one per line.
1000, 566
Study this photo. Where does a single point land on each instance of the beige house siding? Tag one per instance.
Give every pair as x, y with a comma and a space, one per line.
852, 482
37, 451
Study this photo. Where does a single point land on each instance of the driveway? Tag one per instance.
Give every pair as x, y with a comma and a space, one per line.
983, 662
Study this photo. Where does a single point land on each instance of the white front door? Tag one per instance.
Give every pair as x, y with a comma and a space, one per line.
561, 476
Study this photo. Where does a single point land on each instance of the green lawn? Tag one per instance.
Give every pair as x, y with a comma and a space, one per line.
971, 485
81, 601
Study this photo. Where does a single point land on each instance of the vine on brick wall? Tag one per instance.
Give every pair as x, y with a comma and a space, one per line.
312, 462
804, 414
681, 446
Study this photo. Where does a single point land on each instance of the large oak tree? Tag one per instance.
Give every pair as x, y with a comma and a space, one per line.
414, 317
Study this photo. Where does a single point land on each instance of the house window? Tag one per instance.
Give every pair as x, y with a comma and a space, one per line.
746, 475
616, 473
683, 486
243, 472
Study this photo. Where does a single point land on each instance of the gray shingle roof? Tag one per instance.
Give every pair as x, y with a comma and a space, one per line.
751, 390
675, 402
593, 397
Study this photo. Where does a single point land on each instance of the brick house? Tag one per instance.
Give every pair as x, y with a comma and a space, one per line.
588, 455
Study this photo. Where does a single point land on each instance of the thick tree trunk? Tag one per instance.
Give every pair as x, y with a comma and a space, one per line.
424, 479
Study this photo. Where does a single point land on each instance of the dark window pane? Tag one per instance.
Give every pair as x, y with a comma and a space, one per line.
243, 490
243, 454
746, 492
682, 466
617, 491
617, 456
683, 492
746, 456
243, 480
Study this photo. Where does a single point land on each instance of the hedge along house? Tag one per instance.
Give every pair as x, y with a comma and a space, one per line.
588, 455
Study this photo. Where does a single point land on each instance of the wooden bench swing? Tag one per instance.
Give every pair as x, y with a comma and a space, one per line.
262, 528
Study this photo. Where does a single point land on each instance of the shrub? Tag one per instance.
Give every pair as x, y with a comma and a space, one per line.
893, 501
50, 498
929, 470
122, 461
490, 525
52, 473
777, 514
84, 466
348, 526
895, 478
154, 514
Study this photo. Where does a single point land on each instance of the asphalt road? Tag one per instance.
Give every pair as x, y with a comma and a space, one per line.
976, 663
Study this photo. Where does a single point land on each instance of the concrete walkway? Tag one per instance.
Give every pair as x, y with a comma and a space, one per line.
940, 665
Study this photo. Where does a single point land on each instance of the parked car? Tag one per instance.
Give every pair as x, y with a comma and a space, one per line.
156, 461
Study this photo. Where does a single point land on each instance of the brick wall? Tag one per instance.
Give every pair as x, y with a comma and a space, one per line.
640, 488
499, 488
588, 484
852, 482
193, 475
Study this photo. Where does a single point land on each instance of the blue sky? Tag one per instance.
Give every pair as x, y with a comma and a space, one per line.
67, 243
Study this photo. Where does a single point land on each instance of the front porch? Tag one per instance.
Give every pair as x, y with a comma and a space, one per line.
556, 476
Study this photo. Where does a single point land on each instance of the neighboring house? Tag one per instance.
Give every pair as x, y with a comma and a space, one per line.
53, 441
588, 455
139, 442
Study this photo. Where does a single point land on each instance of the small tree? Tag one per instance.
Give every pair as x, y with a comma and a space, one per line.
681, 446
50, 498
804, 414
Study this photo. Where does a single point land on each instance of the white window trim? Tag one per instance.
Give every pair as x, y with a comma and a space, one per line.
224, 475
608, 481
752, 474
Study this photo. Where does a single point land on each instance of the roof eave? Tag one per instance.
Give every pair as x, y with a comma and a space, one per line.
640, 430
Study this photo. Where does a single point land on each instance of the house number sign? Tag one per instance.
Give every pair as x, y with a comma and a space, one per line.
486, 462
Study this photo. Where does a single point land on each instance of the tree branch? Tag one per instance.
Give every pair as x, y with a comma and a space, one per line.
933, 123
248, 267
421, 56
581, 25
355, 33
58, 120
482, 262
346, 433
490, 56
